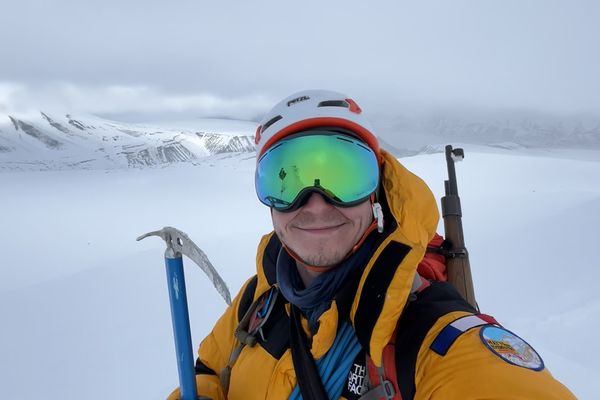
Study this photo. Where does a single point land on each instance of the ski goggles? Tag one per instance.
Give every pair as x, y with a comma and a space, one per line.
340, 167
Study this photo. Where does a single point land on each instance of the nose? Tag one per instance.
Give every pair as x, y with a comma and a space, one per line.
316, 202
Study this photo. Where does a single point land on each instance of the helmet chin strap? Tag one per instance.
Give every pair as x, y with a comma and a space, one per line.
376, 224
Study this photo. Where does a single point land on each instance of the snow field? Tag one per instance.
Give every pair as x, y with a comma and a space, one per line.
85, 311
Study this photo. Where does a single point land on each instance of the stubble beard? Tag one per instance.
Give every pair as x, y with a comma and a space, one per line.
322, 255
319, 257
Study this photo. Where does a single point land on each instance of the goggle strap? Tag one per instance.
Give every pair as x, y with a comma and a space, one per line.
370, 229
378, 216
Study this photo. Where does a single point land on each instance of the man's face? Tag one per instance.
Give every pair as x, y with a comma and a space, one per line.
320, 233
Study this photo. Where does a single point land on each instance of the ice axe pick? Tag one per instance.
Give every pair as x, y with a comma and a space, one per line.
178, 244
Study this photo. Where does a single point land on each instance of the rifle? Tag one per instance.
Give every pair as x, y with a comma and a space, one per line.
457, 256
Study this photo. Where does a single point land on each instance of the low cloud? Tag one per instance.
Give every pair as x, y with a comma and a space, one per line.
123, 100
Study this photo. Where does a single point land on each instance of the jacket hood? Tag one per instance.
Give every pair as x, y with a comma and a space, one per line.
411, 218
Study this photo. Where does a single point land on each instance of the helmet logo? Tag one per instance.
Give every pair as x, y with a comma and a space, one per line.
297, 100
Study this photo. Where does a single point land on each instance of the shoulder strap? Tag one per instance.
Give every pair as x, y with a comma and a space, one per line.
439, 299
252, 316
307, 374
382, 381
247, 297
396, 378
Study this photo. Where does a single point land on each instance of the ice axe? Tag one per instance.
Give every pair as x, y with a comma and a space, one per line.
178, 244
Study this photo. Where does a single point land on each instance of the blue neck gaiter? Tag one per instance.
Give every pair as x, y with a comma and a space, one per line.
316, 299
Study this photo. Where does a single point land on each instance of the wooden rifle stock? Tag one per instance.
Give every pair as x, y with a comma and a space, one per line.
457, 257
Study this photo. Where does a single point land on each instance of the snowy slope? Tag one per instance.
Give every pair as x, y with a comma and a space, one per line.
41, 141
504, 128
84, 306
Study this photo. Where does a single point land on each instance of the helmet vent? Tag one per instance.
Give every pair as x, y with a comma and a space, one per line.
271, 122
334, 103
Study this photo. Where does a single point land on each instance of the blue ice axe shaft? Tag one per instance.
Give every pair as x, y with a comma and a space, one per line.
178, 244
180, 318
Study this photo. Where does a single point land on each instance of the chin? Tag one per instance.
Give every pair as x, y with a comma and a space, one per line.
321, 259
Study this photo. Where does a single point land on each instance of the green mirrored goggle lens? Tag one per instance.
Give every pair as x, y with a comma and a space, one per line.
338, 166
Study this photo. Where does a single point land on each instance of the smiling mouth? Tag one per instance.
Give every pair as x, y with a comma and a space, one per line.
320, 229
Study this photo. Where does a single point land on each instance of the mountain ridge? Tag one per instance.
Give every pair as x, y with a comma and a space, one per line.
46, 141
55, 141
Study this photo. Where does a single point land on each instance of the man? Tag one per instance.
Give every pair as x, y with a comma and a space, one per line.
337, 308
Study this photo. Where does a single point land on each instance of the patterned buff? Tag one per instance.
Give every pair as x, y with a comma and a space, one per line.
316, 299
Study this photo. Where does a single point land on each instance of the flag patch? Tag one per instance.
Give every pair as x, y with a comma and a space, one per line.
453, 330
511, 348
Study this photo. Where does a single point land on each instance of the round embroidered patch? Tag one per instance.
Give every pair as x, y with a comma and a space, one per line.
511, 348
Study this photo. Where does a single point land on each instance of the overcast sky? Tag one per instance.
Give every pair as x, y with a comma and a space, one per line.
234, 58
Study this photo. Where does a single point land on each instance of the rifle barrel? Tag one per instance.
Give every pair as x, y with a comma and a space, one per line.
452, 188
459, 269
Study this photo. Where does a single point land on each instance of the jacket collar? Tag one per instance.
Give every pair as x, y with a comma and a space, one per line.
383, 289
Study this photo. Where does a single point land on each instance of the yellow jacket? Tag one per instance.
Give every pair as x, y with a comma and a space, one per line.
472, 368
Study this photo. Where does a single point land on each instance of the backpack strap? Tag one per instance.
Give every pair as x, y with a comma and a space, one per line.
247, 297
382, 380
309, 380
419, 317
245, 303
395, 379
252, 317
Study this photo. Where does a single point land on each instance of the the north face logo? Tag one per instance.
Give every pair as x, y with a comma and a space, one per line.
356, 377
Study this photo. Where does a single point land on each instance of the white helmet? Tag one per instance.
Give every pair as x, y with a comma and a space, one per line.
312, 109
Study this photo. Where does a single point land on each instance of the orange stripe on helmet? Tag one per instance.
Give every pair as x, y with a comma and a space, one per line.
258, 134
363, 133
353, 107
